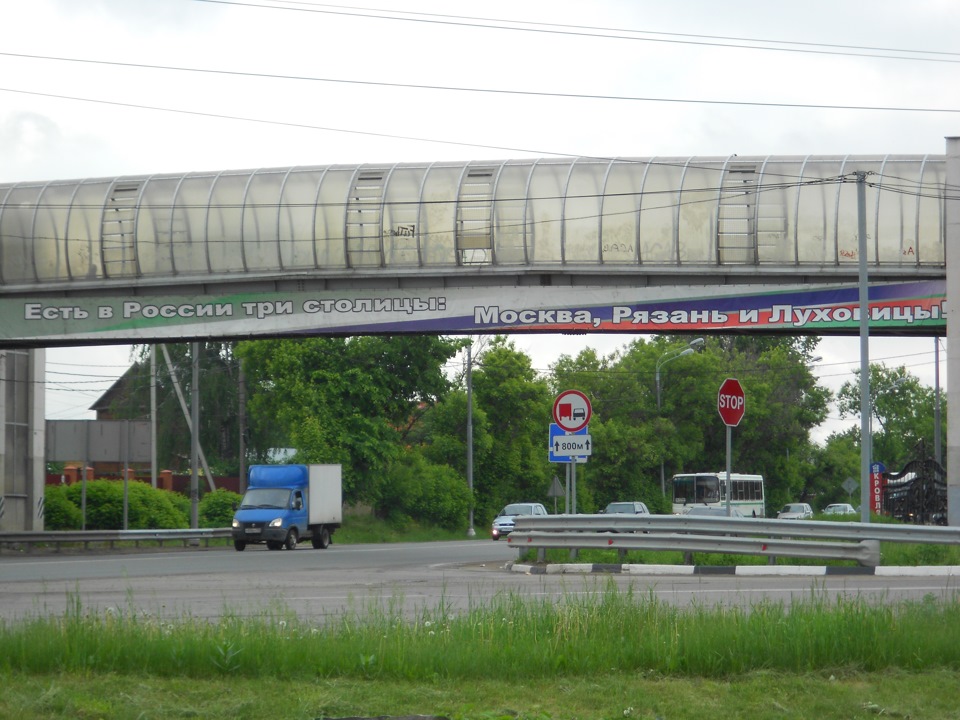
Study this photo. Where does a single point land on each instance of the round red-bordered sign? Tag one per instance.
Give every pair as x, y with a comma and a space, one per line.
572, 410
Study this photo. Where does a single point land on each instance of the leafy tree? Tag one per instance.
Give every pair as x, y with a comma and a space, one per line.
633, 432
836, 461
518, 406
351, 401
902, 414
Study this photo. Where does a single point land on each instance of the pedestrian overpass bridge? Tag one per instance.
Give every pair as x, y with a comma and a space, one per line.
700, 244
633, 245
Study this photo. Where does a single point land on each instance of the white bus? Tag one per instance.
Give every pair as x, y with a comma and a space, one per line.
709, 489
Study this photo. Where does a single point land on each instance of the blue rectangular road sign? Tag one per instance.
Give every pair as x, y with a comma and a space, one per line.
556, 430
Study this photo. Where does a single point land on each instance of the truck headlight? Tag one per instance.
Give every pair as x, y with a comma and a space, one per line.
236, 524
276, 522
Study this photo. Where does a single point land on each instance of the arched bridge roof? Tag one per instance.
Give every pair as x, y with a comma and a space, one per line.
636, 220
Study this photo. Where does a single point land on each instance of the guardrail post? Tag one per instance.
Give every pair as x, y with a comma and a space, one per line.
872, 553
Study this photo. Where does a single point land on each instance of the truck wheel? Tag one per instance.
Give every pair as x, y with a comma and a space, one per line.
321, 539
239, 545
291, 542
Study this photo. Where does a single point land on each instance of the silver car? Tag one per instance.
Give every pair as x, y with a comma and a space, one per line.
795, 511
504, 521
839, 509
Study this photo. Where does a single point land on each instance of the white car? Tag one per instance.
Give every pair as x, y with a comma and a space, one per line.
503, 523
839, 509
795, 511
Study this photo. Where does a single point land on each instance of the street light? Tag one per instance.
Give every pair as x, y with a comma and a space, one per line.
664, 359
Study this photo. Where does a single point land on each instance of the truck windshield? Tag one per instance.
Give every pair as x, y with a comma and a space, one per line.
266, 498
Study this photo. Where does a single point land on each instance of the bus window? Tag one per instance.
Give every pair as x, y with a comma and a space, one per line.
683, 490
708, 489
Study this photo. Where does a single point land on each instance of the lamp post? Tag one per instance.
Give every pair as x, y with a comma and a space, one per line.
664, 359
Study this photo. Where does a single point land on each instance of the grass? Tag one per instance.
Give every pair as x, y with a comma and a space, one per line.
618, 654
582, 635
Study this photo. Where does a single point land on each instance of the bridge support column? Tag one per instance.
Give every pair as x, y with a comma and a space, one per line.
952, 254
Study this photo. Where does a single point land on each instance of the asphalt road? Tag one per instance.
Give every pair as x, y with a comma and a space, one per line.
209, 583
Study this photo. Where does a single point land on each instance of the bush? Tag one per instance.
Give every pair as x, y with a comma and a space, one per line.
216, 508
58, 512
414, 488
147, 507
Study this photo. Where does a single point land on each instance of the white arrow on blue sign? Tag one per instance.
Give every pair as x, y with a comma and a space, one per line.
565, 454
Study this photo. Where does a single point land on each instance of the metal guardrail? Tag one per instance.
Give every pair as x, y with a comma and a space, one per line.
58, 538
815, 539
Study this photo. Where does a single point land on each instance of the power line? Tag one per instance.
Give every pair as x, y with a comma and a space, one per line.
584, 31
446, 88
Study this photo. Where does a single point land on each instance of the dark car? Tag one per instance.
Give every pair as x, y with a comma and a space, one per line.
626, 508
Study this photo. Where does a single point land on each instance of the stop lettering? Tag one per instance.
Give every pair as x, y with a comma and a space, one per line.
731, 402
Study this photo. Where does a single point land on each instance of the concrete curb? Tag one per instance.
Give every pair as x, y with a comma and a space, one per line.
742, 570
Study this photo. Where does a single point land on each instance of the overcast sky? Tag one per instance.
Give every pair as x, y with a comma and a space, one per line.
103, 88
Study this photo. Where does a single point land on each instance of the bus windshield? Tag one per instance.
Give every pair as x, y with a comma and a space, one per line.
696, 489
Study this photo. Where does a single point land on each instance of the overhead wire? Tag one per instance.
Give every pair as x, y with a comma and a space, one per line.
602, 33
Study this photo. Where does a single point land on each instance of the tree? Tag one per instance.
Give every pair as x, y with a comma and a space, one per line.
351, 401
832, 464
518, 407
902, 414
632, 434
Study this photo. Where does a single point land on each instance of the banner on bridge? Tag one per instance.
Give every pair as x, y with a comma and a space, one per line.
895, 308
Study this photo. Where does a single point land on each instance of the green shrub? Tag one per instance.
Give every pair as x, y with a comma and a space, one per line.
58, 512
413, 488
216, 508
181, 502
147, 507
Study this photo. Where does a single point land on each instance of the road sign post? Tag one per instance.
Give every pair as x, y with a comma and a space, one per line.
571, 412
731, 404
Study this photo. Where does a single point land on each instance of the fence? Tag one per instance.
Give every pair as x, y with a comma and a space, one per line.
86, 538
816, 539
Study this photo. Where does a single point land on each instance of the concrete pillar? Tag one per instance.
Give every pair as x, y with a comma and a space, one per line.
952, 210
36, 465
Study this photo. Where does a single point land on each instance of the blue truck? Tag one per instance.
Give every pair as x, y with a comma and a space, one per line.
285, 504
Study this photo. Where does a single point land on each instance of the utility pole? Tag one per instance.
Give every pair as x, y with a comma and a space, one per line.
865, 408
470, 530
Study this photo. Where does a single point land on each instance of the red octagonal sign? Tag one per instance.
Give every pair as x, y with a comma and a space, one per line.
731, 402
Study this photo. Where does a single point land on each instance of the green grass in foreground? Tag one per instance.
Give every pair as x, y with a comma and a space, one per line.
611, 696
619, 654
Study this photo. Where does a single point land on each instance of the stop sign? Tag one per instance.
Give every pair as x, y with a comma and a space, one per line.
731, 402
